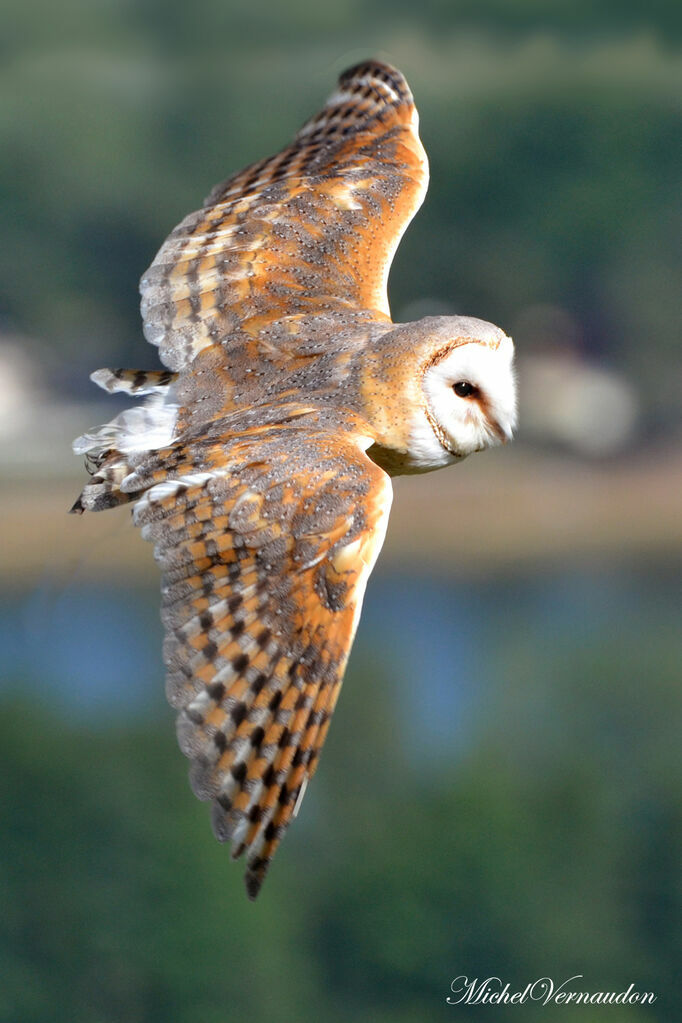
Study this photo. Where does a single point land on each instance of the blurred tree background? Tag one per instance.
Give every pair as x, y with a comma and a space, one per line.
501, 790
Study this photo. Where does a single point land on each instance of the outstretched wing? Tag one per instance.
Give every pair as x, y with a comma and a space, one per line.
312, 229
266, 542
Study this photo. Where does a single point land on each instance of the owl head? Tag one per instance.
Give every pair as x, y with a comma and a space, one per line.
458, 373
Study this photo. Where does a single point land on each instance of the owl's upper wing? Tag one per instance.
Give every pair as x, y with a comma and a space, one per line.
311, 229
266, 541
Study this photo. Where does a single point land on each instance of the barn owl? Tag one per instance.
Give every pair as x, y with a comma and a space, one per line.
260, 461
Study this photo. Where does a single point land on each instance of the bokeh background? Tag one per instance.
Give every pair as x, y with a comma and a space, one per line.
501, 790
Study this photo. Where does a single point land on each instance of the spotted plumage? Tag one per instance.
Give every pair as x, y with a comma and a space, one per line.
260, 462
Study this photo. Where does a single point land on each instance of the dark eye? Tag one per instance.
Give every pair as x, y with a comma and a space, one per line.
463, 389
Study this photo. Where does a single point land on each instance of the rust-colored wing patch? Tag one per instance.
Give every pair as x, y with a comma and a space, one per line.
311, 229
265, 544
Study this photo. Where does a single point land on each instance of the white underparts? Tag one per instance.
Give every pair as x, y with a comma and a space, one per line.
141, 428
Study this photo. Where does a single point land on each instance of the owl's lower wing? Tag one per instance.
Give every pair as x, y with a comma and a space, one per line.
266, 544
312, 229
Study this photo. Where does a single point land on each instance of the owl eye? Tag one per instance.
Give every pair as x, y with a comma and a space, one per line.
463, 389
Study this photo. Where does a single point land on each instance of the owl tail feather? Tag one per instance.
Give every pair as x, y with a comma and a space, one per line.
113, 450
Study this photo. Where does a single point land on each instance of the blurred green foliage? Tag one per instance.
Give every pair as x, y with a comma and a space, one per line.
544, 843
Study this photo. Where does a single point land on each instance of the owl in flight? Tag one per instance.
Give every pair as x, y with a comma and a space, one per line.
260, 462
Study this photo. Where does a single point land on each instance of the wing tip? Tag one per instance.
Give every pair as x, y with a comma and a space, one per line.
253, 880
376, 71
